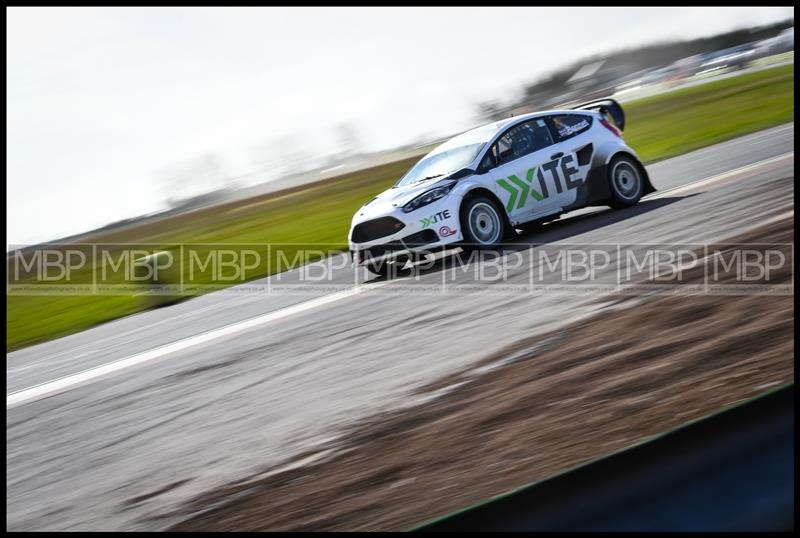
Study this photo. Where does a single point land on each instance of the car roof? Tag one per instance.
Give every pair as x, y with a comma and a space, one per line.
485, 133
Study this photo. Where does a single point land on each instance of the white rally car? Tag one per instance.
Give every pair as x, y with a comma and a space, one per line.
475, 189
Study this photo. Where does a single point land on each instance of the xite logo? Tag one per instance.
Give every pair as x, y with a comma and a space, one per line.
433, 219
565, 176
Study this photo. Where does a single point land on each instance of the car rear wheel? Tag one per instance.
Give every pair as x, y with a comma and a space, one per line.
482, 222
625, 182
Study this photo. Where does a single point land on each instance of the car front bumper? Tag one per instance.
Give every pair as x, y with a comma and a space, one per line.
411, 234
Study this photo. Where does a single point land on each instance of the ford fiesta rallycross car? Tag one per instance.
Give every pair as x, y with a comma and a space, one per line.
475, 189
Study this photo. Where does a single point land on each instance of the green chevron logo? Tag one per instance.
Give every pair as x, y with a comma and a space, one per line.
518, 189
433, 219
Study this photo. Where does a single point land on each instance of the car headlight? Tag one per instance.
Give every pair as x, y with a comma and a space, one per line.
428, 197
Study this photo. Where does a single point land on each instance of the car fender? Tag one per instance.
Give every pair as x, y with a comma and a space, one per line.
448, 229
478, 185
595, 190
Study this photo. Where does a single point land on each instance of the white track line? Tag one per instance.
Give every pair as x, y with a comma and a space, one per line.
45, 389
720, 177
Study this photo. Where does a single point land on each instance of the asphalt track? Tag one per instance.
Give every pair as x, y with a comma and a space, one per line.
204, 392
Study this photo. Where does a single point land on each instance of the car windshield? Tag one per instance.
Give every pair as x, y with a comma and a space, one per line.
441, 164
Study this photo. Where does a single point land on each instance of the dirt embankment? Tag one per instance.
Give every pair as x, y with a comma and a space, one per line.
565, 398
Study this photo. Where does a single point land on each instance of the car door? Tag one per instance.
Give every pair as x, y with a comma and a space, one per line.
518, 156
570, 156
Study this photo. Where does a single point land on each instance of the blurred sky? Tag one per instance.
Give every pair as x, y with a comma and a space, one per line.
101, 100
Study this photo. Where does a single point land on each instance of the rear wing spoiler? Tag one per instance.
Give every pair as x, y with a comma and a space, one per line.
607, 107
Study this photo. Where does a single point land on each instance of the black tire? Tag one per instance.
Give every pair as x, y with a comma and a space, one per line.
388, 269
625, 181
483, 223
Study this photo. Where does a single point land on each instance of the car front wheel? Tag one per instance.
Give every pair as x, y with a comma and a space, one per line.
482, 223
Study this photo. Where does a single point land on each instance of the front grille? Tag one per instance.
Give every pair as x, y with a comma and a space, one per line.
415, 240
375, 229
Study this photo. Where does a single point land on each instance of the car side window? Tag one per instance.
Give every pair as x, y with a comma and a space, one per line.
489, 160
568, 125
521, 140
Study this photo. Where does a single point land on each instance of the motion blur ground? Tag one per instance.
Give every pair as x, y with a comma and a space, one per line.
534, 409
140, 443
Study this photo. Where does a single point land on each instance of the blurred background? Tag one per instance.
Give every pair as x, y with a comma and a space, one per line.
126, 112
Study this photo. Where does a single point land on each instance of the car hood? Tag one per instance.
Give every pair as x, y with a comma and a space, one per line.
394, 198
